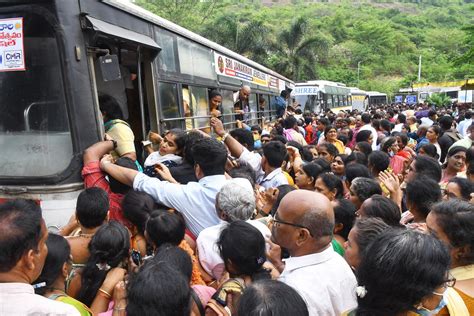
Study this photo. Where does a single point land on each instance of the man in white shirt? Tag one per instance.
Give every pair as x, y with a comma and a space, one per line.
23, 252
267, 168
368, 127
235, 201
401, 120
428, 121
195, 200
303, 225
464, 124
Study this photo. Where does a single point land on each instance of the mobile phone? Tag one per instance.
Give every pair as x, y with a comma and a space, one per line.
136, 257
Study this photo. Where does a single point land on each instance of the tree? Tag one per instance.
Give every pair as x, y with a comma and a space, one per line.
439, 99
248, 38
296, 52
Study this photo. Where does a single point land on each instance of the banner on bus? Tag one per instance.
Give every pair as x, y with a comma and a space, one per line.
232, 68
11, 45
305, 90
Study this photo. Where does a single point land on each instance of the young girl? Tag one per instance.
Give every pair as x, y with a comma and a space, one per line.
171, 146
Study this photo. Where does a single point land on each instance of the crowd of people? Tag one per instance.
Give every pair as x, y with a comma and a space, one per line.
315, 214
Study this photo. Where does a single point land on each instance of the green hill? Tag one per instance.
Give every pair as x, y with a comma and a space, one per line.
327, 40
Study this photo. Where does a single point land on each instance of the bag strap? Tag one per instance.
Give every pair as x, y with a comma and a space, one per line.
198, 302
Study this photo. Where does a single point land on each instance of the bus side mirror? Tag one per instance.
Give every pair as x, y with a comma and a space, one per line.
109, 67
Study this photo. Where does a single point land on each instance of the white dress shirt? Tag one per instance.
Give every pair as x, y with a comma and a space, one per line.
208, 253
20, 299
272, 180
426, 121
195, 200
368, 127
324, 280
463, 125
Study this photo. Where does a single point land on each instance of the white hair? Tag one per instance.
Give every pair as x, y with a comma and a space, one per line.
236, 199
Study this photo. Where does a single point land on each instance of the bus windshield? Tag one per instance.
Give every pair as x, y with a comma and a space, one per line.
35, 137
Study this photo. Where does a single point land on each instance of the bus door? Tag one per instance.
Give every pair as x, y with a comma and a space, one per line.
121, 65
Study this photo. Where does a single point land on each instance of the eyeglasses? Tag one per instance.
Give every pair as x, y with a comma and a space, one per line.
450, 282
277, 221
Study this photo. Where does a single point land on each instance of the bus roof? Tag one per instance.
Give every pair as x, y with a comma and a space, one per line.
375, 94
140, 12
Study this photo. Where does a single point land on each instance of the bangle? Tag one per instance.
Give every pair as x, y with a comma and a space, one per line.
261, 212
114, 142
106, 294
120, 308
224, 137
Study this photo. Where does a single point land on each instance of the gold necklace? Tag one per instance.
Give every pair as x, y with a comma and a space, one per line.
86, 235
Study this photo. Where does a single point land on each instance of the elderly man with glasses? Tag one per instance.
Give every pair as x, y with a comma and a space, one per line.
303, 225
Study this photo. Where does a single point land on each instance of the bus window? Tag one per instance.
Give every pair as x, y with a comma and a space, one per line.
34, 126
167, 56
253, 104
228, 108
195, 60
200, 107
168, 93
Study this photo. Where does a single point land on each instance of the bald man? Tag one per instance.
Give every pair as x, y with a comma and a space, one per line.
241, 102
303, 224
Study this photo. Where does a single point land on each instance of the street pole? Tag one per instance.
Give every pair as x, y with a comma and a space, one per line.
419, 69
358, 73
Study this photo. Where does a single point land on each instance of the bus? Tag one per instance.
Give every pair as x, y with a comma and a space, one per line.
459, 91
376, 98
319, 95
57, 57
359, 99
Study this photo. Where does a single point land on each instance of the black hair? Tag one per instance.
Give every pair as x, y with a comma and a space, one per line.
289, 122
324, 121
176, 258
364, 148
387, 143
402, 118
296, 145
430, 150
379, 161
109, 246
365, 118
244, 137
158, 289
312, 170
244, 246
403, 138
456, 219
136, 207
328, 128
436, 129
275, 153
283, 190
385, 125
344, 213
356, 170
428, 167
356, 157
256, 128
165, 227
454, 150
332, 150
323, 163
364, 188
180, 138
214, 93
117, 186
244, 170
394, 284
279, 138
21, 231
59, 252
422, 192
306, 154
363, 136
283, 93
92, 207
110, 107
465, 186
210, 155
383, 208
332, 182
446, 122
367, 230
271, 298
190, 139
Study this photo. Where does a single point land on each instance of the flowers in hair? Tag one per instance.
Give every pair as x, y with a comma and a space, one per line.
103, 266
361, 291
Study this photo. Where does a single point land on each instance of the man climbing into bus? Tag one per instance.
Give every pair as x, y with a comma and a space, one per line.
281, 103
117, 128
241, 103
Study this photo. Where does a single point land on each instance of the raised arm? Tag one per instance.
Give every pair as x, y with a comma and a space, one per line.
121, 174
235, 148
98, 150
